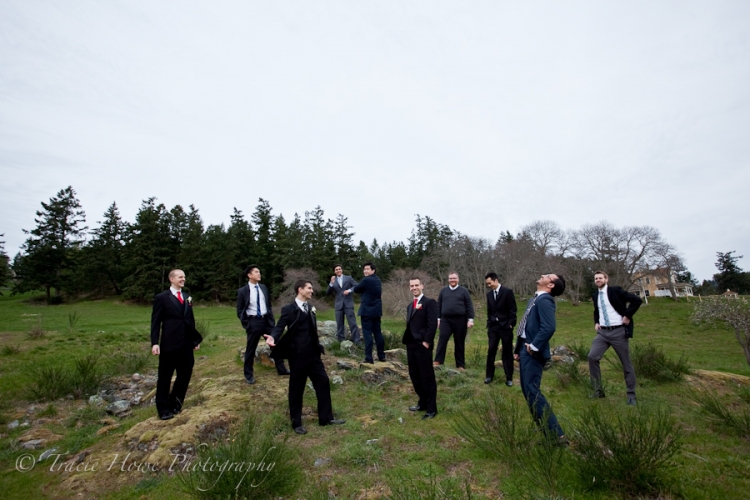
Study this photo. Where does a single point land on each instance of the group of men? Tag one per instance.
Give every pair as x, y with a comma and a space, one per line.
174, 337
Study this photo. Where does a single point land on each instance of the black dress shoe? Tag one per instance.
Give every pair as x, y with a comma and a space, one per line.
429, 415
300, 430
597, 394
250, 380
369, 361
509, 383
176, 411
415, 408
283, 372
488, 380
383, 360
166, 416
336, 421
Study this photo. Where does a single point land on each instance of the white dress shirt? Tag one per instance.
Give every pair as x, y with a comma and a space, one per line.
614, 317
252, 308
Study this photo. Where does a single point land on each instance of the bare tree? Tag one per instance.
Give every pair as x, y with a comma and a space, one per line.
735, 313
287, 287
396, 295
546, 236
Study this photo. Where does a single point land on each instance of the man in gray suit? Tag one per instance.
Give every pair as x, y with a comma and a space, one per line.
341, 285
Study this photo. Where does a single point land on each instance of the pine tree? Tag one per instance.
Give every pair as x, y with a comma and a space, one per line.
103, 257
5, 273
241, 246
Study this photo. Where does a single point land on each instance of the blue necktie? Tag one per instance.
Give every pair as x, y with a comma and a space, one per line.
522, 326
603, 308
257, 302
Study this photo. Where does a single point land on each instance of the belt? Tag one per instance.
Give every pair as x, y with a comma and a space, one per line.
257, 317
610, 327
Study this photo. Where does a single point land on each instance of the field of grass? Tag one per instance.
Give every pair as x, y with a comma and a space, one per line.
382, 446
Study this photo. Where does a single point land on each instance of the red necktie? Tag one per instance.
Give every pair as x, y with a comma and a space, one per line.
179, 297
414, 307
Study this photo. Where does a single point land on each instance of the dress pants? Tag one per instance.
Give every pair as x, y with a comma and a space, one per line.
531, 380
618, 340
302, 368
351, 318
495, 335
258, 328
180, 361
422, 375
370, 328
455, 325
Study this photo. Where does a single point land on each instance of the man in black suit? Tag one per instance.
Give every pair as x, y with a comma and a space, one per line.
501, 318
173, 316
455, 317
537, 327
301, 346
613, 320
344, 304
370, 311
419, 337
256, 316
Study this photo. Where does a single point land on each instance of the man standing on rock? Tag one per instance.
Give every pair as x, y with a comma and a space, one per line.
344, 305
613, 320
255, 314
172, 315
370, 311
501, 318
302, 347
455, 316
421, 324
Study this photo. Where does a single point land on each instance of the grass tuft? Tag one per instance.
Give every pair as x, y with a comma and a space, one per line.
10, 350
651, 362
406, 486
716, 412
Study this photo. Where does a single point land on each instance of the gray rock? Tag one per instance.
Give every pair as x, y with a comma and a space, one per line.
346, 344
338, 380
96, 400
13, 424
372, 441
44, 456
320, 462
345, 365
24, 424
326, 341
561, 350
395, 354
137, 377
33, 444
563, 359
452, 372
119, 408
326, 328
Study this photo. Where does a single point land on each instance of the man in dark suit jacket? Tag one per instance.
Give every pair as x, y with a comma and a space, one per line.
301, 346
256, 316
173, 316
341, 285
501, 318
421, 324
613, 320
370, 311
537, 327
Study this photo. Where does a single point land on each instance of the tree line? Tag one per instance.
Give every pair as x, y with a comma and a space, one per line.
65, 259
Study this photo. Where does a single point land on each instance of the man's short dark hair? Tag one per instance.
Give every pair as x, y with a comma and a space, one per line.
250, 268
370, 265
559, 287
416, 278
300, 284
338, 265
492, 276
602, 273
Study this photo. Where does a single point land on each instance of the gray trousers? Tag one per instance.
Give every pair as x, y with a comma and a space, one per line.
351, 319
618, 340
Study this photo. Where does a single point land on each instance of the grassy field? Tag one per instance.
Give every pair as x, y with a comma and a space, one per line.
714, 463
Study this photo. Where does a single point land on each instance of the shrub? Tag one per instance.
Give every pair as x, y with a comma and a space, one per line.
134, 361
580, 349
651, 362
259, 465
49, 411
36, 331
203, 327
53, 381
392, 340
73, 318
571, 374
405, 486
629, 451
9, 350
719, 413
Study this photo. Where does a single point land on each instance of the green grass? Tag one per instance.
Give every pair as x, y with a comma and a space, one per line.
409, 453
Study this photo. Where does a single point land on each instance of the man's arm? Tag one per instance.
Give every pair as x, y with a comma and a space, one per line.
633, 302
547, 325
156, 325
240, 303
431, 310
279, 328
595, 300
469, 307
512, 308
360, 287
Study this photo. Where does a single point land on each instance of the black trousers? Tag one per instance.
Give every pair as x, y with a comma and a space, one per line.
456, 326
422, 375
180, 361
370, 329
258, 328
495, 336
301, 369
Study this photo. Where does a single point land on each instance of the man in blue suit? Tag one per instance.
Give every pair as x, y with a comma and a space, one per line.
344, 305
370, 311
535, 331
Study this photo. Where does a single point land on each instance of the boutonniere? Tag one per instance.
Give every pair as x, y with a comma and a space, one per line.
313, 309
419, 306
190, 301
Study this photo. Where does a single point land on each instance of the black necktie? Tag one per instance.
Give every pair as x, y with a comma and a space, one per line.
304, 307
522, 327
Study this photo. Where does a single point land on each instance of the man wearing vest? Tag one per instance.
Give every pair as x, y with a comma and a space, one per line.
613, 320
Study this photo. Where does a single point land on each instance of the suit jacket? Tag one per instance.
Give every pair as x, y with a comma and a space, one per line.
291, 344
421, 323
625, 303
501, 313
175, 321
342, 301
371, 289
540, 324
243, 302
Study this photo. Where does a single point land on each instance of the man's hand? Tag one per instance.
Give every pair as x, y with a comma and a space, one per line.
197, 347
333, 279
596, 327
269, 341
516, 357
528, 348
470, 323
438, 322
426, 345
625, 320
347, 292
155, 350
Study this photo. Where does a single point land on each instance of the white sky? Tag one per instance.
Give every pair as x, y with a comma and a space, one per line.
485, 116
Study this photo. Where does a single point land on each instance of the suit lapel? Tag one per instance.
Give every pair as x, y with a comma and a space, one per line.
185, 304
174, 301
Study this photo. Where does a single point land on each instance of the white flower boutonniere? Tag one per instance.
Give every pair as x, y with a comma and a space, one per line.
190, 301
313, 309
419, 306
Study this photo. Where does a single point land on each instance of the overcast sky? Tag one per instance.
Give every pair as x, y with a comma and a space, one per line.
485, 116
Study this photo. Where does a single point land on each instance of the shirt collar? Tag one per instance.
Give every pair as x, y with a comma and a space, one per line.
175, 290
299, 302
540, 293
604, 289
418, 298
452, 287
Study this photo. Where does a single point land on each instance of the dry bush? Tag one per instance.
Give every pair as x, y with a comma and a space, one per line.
396, 294
287, 287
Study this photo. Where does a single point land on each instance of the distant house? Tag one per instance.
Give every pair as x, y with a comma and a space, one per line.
658, 283
730, 294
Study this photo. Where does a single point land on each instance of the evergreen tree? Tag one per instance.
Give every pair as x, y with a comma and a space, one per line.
103, 257
189, 235
50, 251
218, 264
5, 273
343, 241
264, 252
730, 276
241, 246
319, 242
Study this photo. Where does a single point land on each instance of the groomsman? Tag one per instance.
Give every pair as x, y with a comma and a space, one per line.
537, 327
341, 285
172, 315
455, 316
370, 311
501, 318
255, 314
302, 347
421, 324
